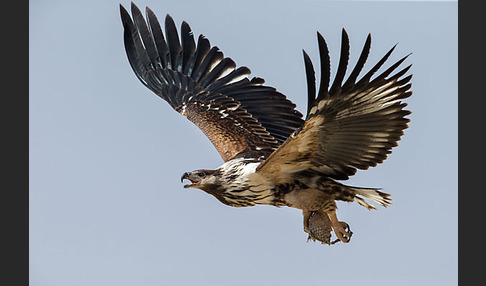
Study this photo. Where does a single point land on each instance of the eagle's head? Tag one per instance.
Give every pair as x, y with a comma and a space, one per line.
206, 180
229, 183
210, 181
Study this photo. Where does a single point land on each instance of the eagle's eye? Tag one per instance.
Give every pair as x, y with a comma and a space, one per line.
201, 174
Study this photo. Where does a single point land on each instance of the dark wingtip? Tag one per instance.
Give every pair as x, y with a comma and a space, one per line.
311, 81
343, 63
305, 54
133, 6
168, 18
366, 78
325, 66
148, 10
344, 33
125, 16
185, 28
368, 40
350, 82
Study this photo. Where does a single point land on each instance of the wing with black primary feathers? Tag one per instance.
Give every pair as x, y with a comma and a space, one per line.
348, 126
241, 117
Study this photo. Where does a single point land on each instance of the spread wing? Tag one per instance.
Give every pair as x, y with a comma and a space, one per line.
348, 126
241, 117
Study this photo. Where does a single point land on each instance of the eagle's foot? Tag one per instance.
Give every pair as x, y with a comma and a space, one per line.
341, 229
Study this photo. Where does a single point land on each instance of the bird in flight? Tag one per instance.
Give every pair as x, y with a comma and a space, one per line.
272, 155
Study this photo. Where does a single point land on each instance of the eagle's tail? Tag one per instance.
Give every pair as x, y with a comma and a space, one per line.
373, 194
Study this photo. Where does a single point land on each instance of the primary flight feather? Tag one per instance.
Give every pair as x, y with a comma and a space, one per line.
272, 155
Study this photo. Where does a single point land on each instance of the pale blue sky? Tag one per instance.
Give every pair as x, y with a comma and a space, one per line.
106, 203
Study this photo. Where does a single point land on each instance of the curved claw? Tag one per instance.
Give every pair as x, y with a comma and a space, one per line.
342, 231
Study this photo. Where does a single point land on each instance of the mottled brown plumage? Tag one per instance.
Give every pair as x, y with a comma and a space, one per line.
233, 131
272, 156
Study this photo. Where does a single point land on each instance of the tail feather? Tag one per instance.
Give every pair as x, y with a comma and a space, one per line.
372, 194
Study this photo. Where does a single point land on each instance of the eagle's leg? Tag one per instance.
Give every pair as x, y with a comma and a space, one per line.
341, 229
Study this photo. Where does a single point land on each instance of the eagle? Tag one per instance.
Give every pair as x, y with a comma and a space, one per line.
272, 155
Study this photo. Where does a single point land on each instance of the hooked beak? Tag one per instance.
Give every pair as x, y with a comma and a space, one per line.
184, 176
188, 176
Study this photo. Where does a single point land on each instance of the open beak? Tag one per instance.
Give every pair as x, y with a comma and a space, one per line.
187, 176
